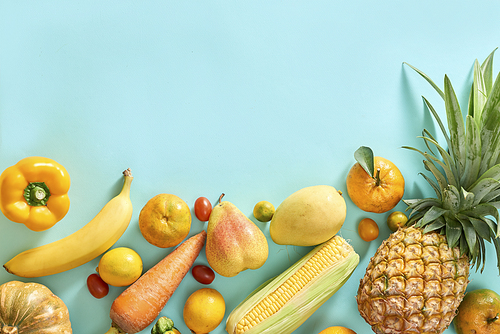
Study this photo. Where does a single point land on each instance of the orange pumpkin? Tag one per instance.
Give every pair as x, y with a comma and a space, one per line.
43, 312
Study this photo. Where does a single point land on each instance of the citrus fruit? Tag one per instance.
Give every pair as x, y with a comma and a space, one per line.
478, 313
337, 330
120, 266
379, 191
263, 211
204, 310
395, 220
368, 229
165, 220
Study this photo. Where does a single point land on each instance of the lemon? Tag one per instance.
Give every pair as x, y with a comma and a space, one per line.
120, 266
263, 211
204, 310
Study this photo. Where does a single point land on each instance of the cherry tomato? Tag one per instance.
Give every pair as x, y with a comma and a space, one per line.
368, 229
203, 274
97, 287
202, 209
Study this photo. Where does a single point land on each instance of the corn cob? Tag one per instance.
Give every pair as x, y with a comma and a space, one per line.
282, 304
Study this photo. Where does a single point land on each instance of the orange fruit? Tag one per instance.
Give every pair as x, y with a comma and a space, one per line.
165, 220
379, 192
368, 229
337, 330
204, 310
264, 211
478, 313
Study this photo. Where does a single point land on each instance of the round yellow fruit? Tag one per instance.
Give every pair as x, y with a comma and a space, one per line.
479, 313
165, 220
264, 211
396, 220
204, 310
337, 330
120, 266
308, 217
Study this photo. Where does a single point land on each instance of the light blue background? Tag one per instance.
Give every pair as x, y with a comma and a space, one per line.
252, 99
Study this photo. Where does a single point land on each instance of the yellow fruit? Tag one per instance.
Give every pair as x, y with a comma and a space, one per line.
479, 312
204, 310
308, 217
337, 330
379, 192
368, 229
165, 220
263, 211
120, 266
395, 220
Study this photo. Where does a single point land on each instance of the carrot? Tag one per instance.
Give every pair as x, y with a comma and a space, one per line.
139, 305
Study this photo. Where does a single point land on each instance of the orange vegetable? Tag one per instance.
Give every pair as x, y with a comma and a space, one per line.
139, 305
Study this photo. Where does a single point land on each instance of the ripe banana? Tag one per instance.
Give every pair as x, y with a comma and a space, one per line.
84, 245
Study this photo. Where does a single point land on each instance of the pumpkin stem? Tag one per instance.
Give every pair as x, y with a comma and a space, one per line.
9, 330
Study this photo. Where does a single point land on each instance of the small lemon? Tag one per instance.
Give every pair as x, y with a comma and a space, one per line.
337, 330
120, 266
263, 211
204, 310
395, 220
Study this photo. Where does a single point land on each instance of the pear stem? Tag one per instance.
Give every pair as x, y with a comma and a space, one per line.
220, 198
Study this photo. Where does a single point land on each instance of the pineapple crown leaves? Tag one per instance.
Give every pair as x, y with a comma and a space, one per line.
466, 175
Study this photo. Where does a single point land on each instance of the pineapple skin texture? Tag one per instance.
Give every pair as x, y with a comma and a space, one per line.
413, 284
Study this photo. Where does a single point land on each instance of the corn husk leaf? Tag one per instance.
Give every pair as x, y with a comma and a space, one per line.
303, 304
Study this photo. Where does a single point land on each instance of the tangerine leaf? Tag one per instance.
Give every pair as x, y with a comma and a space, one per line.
364, 156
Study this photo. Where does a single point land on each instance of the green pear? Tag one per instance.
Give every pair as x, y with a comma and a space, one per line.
308, 217
234, 242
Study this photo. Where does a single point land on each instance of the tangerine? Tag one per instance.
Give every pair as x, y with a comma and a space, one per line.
165, 220
478, 313
337, 330
378, 191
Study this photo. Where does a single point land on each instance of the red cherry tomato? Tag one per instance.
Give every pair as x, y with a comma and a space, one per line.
97, 287
203, 274
202, 209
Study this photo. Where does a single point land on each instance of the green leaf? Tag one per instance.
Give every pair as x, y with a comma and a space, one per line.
467, 200
431, 215
479, 95
483, 188
439, 223
490, 127
483, 210
455, 125
453, 232
438, 120
482, 229
451, 199
473, 152
496, 242
448, 166
487, 71
470, 236
364, 156
440, 92
492, 225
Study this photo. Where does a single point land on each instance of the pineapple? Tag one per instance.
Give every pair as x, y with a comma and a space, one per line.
417, 278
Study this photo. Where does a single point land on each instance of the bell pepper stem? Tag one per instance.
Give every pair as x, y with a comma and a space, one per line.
115, 329
36, 194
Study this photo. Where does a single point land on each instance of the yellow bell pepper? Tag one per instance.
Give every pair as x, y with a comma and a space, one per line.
34, 192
